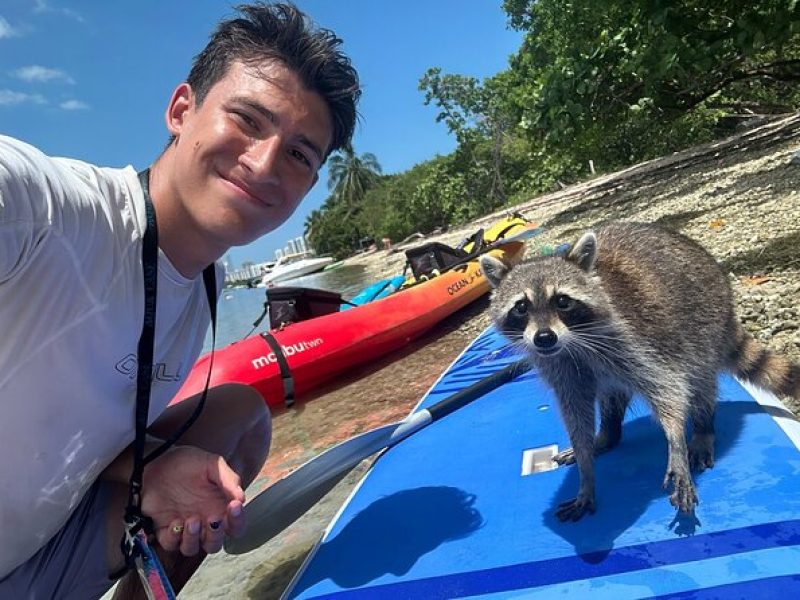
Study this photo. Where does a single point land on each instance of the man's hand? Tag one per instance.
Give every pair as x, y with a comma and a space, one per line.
194, 499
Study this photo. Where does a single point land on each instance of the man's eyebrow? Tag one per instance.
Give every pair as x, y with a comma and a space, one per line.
260, 108
270, 116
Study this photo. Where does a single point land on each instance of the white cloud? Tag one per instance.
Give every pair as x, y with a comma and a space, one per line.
42, 74
44, 6
6, 31
12, 98
74, 105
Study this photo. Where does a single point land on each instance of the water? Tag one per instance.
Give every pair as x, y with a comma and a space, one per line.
238, 308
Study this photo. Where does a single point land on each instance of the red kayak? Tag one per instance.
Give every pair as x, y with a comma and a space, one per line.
319, 349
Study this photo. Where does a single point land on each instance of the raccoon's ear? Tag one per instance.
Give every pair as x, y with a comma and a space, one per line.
584, 252
494, 269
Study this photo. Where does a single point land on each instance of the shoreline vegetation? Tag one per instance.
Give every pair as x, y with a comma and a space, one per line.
592, 89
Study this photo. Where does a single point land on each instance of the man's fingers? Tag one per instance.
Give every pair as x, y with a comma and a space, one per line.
190, 541
236, 519
213, 536
227, 479
170, 537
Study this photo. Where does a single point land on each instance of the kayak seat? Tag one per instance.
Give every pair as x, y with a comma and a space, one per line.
288, 304
429, 258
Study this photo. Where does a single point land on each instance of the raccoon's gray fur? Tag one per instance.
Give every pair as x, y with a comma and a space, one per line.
632, 308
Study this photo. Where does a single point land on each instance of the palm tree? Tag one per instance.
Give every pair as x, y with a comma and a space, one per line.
311, 221
350, 176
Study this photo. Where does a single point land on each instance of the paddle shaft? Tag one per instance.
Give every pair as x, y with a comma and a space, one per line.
477, 389
277, 507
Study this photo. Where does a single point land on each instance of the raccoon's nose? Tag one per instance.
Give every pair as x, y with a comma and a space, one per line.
545, 338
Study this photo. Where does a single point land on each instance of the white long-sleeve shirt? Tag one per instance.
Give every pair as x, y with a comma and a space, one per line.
71, 307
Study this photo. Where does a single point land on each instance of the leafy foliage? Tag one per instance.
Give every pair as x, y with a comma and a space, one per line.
350, 176
601, 82
640, 73
335, 228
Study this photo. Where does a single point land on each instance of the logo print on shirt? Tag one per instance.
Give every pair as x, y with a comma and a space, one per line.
129, 365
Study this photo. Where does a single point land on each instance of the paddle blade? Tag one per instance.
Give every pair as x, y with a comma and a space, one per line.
281, 504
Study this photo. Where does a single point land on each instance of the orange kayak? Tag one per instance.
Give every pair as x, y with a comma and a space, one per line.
319, 349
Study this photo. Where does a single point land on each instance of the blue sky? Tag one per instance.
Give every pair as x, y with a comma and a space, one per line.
90, 79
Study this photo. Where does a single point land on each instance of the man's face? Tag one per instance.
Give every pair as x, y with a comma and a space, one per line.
248, 154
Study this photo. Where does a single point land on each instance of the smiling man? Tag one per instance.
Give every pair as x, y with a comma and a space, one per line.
242, 159
267, 100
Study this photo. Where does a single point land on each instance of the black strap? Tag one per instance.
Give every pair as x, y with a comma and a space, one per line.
283, 365
209, 279
134, 517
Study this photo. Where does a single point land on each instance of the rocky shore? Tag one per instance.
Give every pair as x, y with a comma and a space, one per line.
739, 197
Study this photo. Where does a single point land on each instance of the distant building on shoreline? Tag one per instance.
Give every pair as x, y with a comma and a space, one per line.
298, 245
250, 273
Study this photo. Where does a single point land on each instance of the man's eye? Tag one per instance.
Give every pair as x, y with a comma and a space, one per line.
564, 302
302, 158
247, 120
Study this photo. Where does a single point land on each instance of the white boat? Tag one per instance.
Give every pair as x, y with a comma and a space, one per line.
290, 266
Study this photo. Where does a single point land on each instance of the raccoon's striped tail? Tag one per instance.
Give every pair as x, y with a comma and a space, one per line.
751, 361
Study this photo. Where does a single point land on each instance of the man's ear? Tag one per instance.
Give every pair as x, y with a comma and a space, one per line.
180, 103
494, 269
584, 252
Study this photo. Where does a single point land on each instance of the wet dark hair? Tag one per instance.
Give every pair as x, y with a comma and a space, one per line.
282, 33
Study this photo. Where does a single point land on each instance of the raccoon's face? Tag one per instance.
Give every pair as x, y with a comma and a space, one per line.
549, 304
544, 310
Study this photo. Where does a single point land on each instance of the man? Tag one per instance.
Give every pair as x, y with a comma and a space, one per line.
265, 103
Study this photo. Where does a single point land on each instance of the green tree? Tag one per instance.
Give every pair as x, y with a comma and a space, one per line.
312, 220
602, 82
350, 176
472, 113
628, 76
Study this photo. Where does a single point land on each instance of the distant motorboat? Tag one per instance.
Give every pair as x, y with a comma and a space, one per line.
290, 266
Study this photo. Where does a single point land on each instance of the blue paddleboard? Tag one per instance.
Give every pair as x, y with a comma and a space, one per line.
449, 512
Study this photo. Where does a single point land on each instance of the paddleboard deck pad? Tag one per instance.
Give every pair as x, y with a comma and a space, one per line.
449, 512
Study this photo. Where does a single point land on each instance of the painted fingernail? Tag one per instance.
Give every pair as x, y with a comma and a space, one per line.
236, 511
177, 529
194, 527
214, 524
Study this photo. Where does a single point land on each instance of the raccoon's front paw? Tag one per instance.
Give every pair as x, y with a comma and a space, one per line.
565, 457
701, 452
684, 496
573, 510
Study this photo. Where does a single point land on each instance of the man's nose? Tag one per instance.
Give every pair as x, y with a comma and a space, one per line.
263, 158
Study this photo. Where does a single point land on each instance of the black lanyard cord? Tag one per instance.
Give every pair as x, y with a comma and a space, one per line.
134, 517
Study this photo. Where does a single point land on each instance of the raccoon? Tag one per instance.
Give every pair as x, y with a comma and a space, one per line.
632, 308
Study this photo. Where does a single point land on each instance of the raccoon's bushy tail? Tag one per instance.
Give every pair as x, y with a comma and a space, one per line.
753, 362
